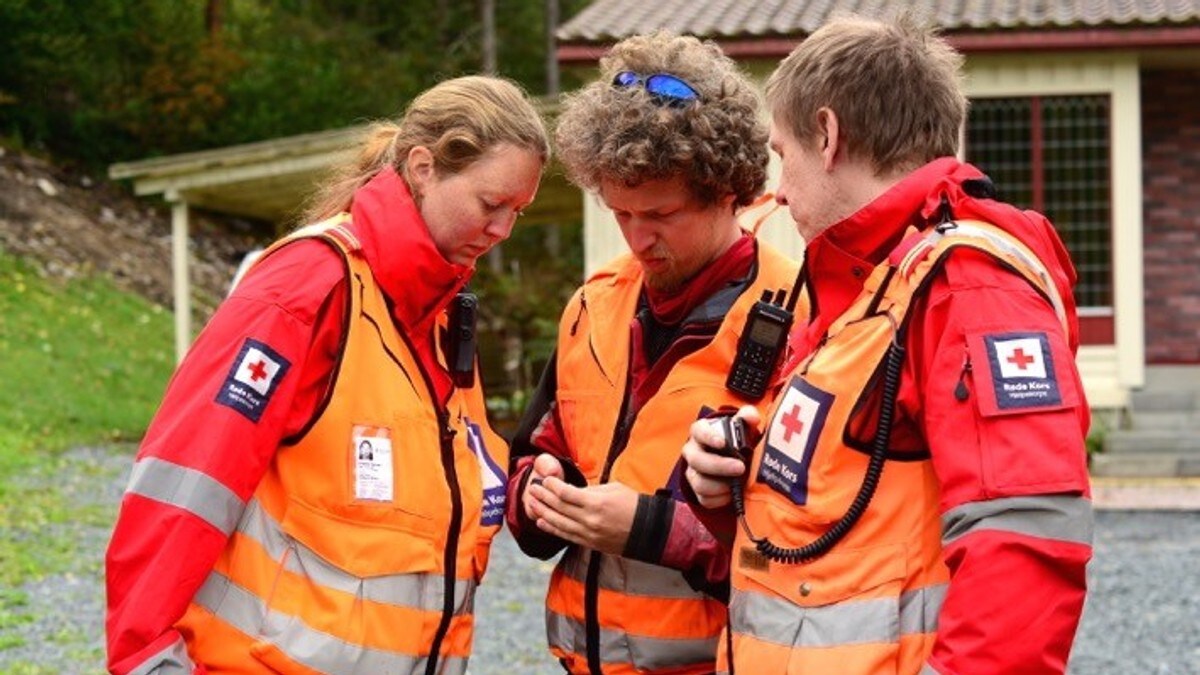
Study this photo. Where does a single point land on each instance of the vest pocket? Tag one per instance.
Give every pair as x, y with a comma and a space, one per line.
391, 542
842, 573
341, 586
403, 480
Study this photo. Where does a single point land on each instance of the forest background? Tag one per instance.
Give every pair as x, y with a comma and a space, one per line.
89, 83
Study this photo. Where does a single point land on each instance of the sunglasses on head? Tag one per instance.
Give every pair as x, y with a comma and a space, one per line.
666, 89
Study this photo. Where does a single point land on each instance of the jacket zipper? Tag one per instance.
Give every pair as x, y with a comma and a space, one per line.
591, 588
450, 560
961, 392
579, 315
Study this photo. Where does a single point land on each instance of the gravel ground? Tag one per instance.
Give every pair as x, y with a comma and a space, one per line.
510, 636
1143, 616
66, 635
1143, 611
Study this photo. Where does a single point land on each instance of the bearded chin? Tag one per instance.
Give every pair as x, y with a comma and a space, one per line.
665, 282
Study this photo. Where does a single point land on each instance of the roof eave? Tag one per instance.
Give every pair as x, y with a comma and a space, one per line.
968, 42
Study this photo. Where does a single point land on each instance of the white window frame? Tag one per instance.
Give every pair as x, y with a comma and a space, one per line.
1108, 372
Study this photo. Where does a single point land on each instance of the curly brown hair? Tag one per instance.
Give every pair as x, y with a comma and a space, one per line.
717, 143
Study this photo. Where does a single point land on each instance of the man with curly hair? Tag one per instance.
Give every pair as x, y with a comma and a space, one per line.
670, 138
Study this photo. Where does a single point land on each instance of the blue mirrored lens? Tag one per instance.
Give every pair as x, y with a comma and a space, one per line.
666, 88
626, 78
670, 86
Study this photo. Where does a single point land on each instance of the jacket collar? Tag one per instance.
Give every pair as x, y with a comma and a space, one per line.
415, 278
839, 259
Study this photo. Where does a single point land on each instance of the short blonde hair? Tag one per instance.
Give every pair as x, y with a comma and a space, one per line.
458, 120
718, 143
895, 87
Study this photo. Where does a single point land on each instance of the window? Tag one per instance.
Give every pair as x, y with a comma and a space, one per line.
1051, 154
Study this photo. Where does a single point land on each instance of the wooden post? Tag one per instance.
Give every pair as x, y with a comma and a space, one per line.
180, 273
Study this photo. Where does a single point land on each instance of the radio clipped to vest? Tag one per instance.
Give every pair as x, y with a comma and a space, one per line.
763, 339
461, 338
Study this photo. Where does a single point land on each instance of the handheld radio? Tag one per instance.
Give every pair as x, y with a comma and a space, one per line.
737, 438
461, 338
762, 342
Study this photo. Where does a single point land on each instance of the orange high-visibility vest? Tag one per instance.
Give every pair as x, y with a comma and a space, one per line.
870, 605
335, 567
647, 618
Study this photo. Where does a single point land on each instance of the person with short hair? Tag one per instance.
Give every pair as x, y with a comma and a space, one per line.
312, 495
919, 501
670, 138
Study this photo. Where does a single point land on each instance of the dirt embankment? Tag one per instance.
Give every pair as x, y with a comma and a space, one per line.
70, 224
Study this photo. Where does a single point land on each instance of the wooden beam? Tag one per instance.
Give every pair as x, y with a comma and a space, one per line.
181, 275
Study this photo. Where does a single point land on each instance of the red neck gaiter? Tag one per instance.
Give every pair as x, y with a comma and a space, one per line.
671, 307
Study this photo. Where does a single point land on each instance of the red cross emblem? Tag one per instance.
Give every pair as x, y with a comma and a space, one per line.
257, 370
791, 423
1020, 359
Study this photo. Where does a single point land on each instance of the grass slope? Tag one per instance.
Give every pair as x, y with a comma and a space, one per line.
81, 362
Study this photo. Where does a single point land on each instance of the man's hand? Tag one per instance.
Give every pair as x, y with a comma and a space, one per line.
710, 466
545, 465
597, 517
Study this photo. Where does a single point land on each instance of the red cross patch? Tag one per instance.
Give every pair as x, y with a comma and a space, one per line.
1019, 372
792, 437
495, 478
255, 374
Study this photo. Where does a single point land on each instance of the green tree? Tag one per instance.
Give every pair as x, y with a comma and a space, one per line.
108, 80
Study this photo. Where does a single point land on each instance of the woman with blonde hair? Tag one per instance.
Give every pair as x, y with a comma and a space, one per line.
257, 534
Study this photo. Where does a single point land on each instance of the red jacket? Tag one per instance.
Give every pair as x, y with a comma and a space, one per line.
293, 302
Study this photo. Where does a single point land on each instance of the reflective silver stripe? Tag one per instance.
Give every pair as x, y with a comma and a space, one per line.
769, 619
969, 228
419, 591
1057, 517
172, 660
928, 670
188, 489
645, 653
346, 234
315, 649
919, 609
630, 577
565, 633
879, 620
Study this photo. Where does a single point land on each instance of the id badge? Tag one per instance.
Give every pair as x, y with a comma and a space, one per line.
371, 456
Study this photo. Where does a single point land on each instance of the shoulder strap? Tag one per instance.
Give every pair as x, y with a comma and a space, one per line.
922, 252
333, 229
